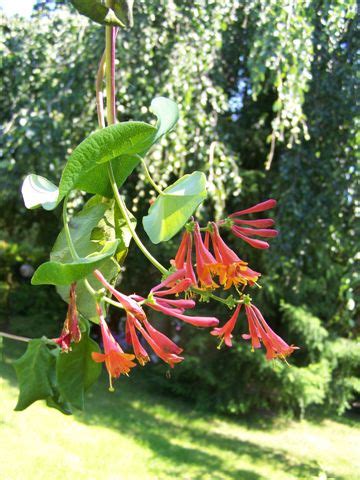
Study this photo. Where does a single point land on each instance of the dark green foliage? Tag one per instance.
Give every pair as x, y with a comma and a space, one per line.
60, 378
76, 371
325, 372
33, 371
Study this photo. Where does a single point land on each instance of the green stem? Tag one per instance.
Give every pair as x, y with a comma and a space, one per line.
122, 207
14, 337
149, 177
111, 109
110, 73
69, 241
99, 93
209, 295
106, 299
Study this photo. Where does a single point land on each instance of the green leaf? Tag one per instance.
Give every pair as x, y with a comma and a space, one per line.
56, 401
98, 222
56, 273
38, 191
167, 113
172, 209
84, 300
81, 225
33, 371
97, 179
124, 11
76, 371
99, 13
86, 168
127, 138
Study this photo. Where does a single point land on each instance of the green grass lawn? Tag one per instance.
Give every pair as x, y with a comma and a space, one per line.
136, 433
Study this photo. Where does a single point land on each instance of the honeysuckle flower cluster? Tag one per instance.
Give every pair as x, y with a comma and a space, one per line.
204, 268
203, 264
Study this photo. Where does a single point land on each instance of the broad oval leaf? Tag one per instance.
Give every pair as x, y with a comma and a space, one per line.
97, 180
98, 222
39, 191
81, 225
57, 273
167, 113
127, 138
34, 370
76, 371
172, 209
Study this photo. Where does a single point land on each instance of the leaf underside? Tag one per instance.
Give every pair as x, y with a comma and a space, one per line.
123, 139
172, 209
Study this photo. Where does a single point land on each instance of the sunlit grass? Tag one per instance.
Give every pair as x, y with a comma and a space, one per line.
137, 434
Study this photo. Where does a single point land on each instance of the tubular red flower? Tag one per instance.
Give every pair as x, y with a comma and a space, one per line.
181, 304
204, 261
117, 362
225, 332
196, 321
251, 241
164, 348
162, 340
177, 282
180, 287
229, 267
171, 280
188, 264
260, 225
64, 341
131, 337
259, 331
259, 207
129, 304
183, 261
260, 232
71, 330
179, 260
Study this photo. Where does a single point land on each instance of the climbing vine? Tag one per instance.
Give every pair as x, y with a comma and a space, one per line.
88, 254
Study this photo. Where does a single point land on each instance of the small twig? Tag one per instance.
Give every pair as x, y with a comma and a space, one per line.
272, 151
99, 92
15, 337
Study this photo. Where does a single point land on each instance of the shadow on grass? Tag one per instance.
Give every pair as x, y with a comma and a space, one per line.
176, 434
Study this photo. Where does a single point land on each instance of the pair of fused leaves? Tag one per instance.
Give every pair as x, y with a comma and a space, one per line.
97, 226
123, 144
61, 379
86, 169
121, 13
